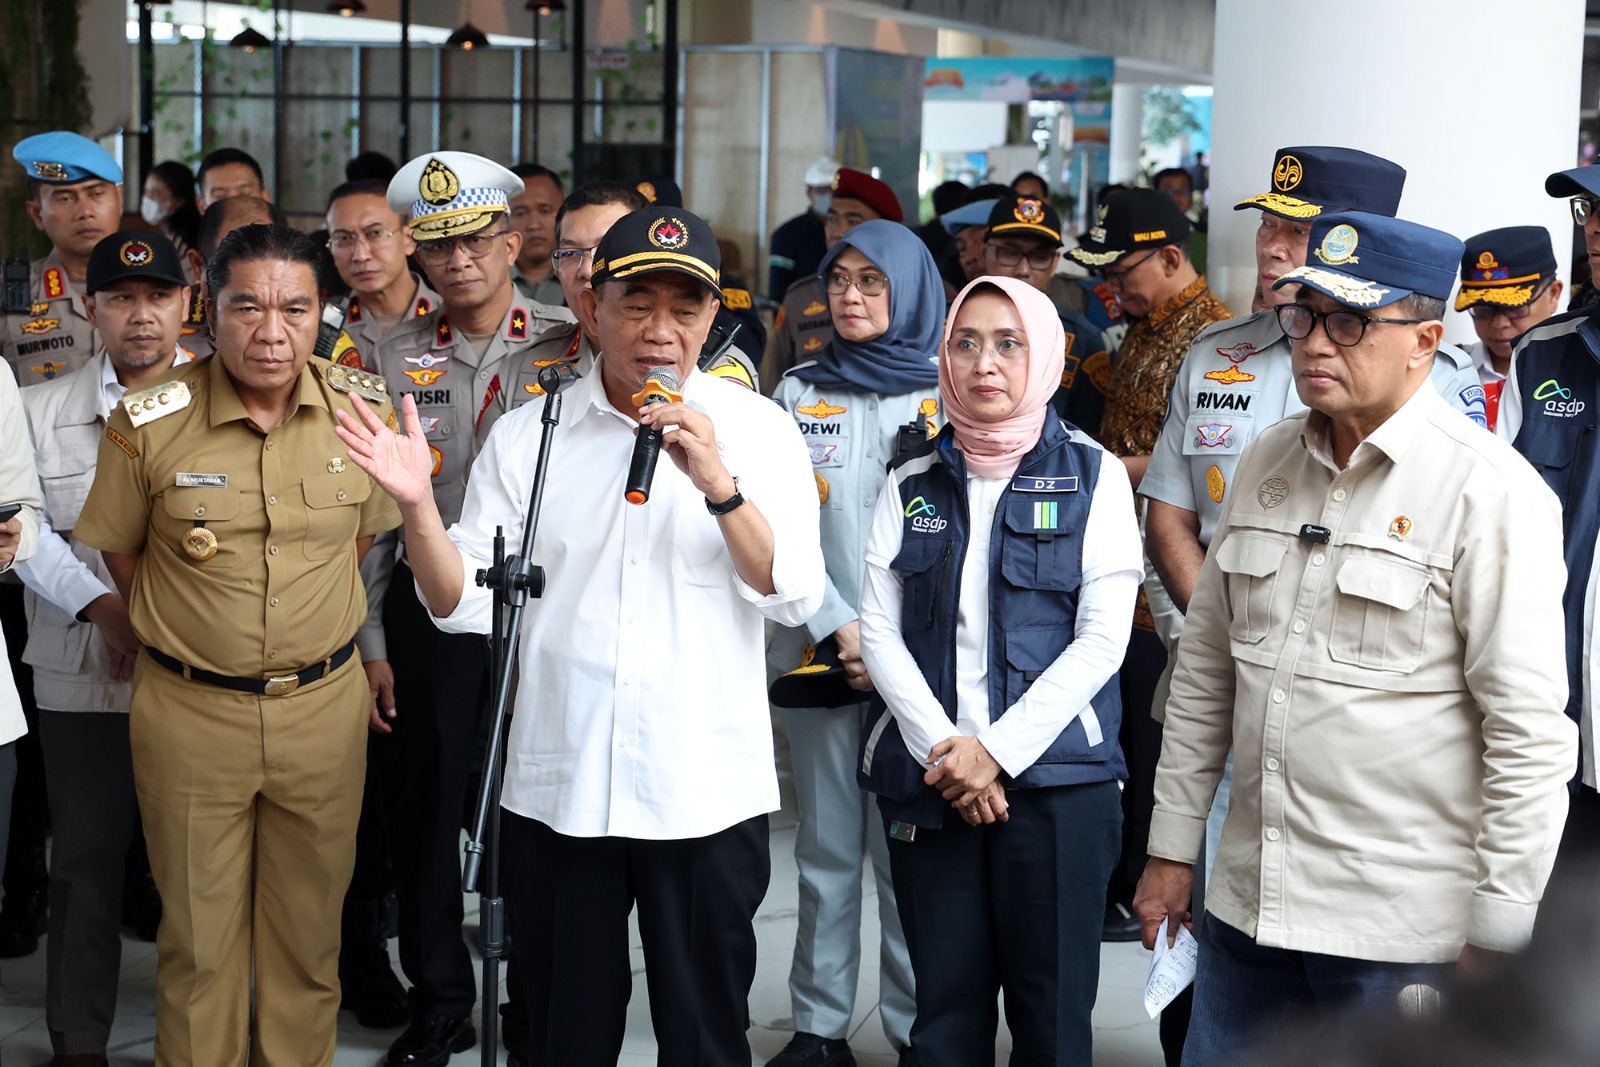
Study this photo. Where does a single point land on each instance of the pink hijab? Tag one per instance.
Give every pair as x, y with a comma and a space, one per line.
994, 449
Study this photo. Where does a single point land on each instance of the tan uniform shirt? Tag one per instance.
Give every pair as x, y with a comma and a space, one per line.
286, 507
802, 327
1394, 697
54, 336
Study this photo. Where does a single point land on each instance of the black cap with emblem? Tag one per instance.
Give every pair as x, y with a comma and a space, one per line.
659, 239
133, 254
1128, 222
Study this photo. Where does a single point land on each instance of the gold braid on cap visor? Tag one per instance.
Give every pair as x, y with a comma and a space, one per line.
453, 223
1341, 287
1511, 297
1096, 259
1283, 205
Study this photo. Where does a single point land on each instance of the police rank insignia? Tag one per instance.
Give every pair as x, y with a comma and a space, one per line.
1287, 174
49, 171
150, 404
439, 184
668, 233
135, 253
1339, 246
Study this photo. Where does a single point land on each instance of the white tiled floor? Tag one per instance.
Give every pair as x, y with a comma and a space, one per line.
1124, 1036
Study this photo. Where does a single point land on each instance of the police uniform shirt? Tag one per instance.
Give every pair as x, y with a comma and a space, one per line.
650, 717
1393, 690
359, 346
285, 507
802, 327
1236, 381
53, 336
851, 437
459, 394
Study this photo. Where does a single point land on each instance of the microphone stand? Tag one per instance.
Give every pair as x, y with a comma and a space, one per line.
513, 579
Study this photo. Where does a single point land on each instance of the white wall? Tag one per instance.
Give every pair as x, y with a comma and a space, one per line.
1477, 106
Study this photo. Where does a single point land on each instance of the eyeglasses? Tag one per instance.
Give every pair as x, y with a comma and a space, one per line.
1116, 276
345, 241
1582, 208
1344, 328
475, 245
563, 259
1011, 255
967, 350
1487, 312
838, 283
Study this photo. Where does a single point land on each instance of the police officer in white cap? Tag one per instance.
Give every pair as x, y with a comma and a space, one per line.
430, 689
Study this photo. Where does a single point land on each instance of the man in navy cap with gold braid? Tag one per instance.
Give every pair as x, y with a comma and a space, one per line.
1508, 286
1373, 636
640, 765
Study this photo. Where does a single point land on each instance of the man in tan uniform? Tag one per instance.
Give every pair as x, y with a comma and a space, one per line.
233, 525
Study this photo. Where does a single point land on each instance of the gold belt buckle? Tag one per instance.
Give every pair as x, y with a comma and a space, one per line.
282, 685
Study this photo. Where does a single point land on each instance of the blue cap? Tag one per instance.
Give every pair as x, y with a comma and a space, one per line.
1579, 181
1364, 260
973, 214
1312, 180
61, 158
660, 191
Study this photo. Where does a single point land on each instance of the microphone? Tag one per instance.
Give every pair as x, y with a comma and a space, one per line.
660, 387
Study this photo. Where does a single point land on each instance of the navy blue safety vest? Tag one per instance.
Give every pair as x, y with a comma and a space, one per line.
1558, 373
1035, 573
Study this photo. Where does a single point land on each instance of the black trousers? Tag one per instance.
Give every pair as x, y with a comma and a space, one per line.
1014, 907
441, 686
567, 902
1140, 737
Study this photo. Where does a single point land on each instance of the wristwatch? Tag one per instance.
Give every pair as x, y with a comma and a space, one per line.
727, 505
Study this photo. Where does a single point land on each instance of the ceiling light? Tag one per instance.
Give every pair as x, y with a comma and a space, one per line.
467, 37
346, 7
250, 39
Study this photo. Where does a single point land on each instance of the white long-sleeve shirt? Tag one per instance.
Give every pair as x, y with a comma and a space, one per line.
641, 710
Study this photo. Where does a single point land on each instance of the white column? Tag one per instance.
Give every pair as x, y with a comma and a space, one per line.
1477, 101
1127, 131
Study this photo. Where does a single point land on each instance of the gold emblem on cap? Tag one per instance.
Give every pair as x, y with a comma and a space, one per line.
200, 544
1029, 211
1338, 245
336, 465
834, 185
669, 233
438, 184
647, 190
1486, 261
1287, 174
50, 172
135, 253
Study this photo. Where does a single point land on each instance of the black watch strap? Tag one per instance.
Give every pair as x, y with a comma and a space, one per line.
727, 505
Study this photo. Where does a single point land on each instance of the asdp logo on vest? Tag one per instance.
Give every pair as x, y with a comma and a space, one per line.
924, 517
1558, 399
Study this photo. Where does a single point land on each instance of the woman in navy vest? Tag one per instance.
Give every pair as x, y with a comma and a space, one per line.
1001, 572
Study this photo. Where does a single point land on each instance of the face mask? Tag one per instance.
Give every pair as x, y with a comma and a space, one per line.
152, 211
821, 202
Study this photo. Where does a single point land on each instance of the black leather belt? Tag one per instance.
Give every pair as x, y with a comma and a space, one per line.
276, 686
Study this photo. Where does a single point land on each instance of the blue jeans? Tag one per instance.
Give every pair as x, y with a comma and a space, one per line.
1247, 997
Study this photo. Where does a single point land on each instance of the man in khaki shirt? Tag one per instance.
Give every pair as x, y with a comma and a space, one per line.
233, 523
1377, 633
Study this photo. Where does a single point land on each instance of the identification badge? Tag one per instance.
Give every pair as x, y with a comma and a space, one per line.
188, 479
1031, 484
902, 831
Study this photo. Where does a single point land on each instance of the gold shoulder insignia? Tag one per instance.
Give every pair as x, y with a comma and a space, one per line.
351, 380
148, 405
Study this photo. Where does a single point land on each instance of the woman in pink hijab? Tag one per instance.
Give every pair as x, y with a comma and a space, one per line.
1001, 573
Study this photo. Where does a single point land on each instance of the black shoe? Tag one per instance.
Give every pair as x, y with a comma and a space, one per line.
908, 1057
431, 1042
1121, 924
22, 924
810, 1050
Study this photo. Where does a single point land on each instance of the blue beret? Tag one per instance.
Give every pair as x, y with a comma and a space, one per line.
973, 214
1370, 261
61, 158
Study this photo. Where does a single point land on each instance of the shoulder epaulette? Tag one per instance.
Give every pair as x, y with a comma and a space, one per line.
352, 380
148, 405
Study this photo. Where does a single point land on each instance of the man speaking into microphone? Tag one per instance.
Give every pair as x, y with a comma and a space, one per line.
640, 766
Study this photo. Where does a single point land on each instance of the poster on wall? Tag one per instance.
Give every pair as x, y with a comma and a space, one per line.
1018, 79
875, 117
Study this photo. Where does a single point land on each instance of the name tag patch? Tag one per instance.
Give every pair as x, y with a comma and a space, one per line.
204, 481
1031, 484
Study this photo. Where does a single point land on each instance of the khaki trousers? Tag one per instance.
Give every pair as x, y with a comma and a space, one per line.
250, 807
